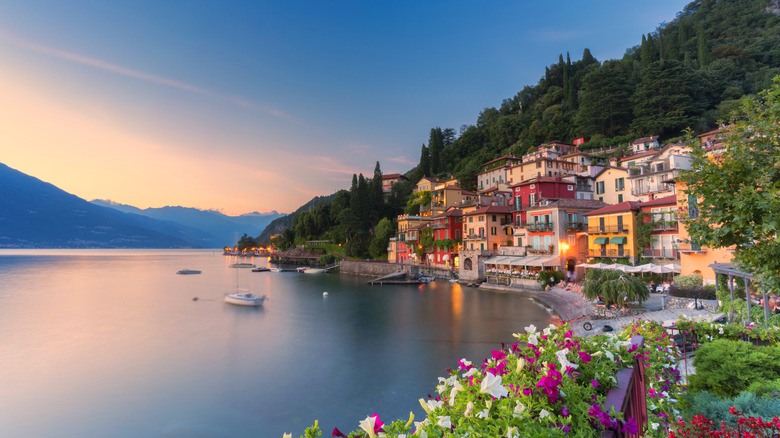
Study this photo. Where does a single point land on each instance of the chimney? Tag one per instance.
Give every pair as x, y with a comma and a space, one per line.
650, 197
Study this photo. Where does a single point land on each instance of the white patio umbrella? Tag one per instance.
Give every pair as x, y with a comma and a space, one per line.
674, 267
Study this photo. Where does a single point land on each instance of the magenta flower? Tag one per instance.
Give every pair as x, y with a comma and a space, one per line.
594, 383
564, 412
337, 432
585, 357
527, 392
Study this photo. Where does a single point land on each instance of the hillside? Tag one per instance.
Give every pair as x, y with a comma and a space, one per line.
279, 224
36, 214
211, 228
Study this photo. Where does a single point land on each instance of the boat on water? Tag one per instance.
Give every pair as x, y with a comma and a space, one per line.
314, 271
242, 265
260, 269
188, 272
303, 269
245, 299
426, 279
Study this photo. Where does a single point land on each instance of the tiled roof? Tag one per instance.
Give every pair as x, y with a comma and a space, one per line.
510, 157
671, 199
639, 155
393, 176
623, 206
580, 203
498, 209
645, 139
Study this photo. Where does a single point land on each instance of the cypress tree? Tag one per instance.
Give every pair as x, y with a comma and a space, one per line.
704, 49
425, 161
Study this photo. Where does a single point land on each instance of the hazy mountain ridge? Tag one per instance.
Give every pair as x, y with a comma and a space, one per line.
216, 229
36, 214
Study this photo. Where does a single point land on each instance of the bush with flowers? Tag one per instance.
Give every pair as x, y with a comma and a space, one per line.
547, 384
705, 331
661, 374
746, 427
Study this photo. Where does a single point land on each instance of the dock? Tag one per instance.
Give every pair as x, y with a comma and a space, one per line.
394, 278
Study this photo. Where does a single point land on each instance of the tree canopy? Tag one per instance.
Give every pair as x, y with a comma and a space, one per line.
735, 195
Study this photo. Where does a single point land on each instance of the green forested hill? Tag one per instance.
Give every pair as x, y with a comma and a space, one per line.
689, 73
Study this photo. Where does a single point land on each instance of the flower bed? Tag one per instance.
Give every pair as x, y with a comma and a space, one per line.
708, 331
747, 427
548, 383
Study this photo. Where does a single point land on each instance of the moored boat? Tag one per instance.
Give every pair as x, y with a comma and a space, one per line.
314, 271
188, 272
242, 265
244, 299
260, 269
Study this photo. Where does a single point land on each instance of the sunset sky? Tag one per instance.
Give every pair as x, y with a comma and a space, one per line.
244, 106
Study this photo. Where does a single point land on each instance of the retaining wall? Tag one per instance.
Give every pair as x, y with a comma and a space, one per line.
375, 269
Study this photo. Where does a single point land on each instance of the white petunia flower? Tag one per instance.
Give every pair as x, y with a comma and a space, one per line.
544, 414
532, 340
444, 422
469, 408
519, 409
287, 435
465, 362
654, 426
520, 364
470, 373
492, 385
368, 426
483, 414
511, 432
531, 329
563, 394
609, 355
547, 331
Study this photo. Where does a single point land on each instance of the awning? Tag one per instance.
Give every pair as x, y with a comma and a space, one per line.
600, 241
618, 240
499, 260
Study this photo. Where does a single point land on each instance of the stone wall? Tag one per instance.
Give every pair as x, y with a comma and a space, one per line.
374, 269
689, 303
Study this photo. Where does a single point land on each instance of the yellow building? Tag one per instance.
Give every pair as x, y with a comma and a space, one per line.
695, 259
487, 228
611, 185
612, 231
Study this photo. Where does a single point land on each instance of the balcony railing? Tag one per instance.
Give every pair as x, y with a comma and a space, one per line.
660, 253
538, 227
666, 226
438, 226
609, 252
539, 251
474, 237
607, 229
688, 248
573, 225
583, 188
651, 188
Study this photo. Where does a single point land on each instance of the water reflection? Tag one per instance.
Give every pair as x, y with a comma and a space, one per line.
112, 344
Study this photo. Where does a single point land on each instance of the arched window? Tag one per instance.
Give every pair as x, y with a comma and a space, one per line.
467, 265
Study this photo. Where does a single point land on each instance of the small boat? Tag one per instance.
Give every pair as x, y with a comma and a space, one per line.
242, 265
303, 269
188, 271
426, 279
260, 269
314, 271
244, 299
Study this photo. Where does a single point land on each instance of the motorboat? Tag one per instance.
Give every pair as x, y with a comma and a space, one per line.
260, 269
314, 271
242, 265
303, 269
244, 299
188, 272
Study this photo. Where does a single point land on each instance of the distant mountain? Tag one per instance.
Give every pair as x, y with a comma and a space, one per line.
36, 214
279, 224
214, 228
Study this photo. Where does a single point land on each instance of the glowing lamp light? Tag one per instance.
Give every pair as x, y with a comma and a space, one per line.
563, 246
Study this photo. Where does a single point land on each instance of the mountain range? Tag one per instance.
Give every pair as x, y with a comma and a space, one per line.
36, 214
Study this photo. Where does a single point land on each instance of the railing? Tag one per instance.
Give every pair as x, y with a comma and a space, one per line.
607, 229
663, 253
630, 396
438, 226
538, 227
652, 188
666, 226
474, 237
573, 225
609, 252
539, 251
689, 247
505, 221
583, 188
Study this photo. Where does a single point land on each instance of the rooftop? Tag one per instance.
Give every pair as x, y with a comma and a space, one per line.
623, 206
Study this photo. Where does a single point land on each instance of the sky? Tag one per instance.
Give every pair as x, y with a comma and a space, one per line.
243, 106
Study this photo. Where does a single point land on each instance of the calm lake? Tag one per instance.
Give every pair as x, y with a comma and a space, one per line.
109, 343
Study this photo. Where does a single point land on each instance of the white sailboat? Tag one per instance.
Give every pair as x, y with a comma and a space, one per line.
242, 297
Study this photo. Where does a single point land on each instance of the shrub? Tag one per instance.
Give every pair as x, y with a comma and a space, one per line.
550, 277
688, 281
717, 409
327, 259
615, 287
700, 292
726, 368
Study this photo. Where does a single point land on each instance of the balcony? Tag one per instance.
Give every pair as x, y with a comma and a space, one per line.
438, 226
666, 226
539, 227
609, 252
660, 253
474, 237
690, 248
540, 251
607, 229
651, 188
583, 188
573, 226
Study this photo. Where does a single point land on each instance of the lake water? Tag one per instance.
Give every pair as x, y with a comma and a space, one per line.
109, 343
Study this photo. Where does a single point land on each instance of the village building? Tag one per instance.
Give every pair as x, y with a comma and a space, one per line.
655, 177
662, 212
389, 179
494, 173
612, 231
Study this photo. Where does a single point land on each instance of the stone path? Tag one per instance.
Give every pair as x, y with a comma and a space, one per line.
575, 308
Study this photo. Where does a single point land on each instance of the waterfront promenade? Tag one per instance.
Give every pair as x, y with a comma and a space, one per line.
572, 306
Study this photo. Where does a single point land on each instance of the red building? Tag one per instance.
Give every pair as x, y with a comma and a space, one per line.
529, 193
447, 226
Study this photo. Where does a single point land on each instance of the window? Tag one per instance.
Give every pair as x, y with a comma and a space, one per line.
471, 219
599, 187
533, 186
620, 184
620, 198
693, 210
492, 231
549, 164
481, 218
570, 187
620, 224
538, 164
494, 218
